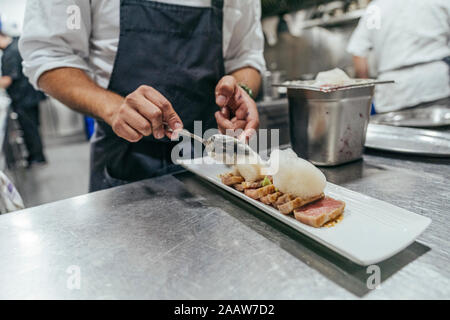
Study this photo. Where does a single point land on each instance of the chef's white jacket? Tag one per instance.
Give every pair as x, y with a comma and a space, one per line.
48, 43
409, 39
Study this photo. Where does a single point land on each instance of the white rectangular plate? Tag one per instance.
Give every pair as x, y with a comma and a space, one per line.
371, 231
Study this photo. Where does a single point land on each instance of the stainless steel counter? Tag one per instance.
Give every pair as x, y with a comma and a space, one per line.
180, 237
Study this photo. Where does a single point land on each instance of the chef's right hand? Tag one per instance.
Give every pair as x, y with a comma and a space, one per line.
142, 113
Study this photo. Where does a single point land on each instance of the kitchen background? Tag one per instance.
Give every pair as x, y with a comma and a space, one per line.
302, 38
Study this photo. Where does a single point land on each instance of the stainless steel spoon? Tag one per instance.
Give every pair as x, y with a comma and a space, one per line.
219, 144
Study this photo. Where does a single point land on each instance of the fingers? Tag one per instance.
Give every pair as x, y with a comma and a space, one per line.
252, 119
226, 112
252, 124
153, 116
136, 121
223, 123
143, 113
250, 130
225, 90
123, 130
238, 124
242, 112
239, 104
240, 107
169, 114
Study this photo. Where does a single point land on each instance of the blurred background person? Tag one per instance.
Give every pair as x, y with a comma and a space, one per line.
24, 98
410, 42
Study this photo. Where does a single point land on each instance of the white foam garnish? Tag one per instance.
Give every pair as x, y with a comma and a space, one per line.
251, 167
295, 175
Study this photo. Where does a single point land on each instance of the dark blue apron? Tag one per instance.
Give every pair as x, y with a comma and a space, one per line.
178, 51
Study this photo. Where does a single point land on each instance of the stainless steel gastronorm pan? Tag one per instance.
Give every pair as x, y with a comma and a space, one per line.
329, 128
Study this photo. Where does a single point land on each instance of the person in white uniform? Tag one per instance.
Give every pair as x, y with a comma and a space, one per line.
142, 68
410, 42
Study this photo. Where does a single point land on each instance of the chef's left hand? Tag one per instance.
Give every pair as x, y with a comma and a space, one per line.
237, 109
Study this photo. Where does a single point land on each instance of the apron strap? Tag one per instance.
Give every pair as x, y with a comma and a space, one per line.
218, 4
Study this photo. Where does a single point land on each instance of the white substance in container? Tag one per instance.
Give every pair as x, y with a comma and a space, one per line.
335, 77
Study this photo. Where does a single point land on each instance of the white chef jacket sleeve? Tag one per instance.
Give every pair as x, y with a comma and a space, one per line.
55, 34
361, 41
244, 36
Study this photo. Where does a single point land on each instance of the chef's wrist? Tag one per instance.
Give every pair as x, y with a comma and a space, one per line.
110, 109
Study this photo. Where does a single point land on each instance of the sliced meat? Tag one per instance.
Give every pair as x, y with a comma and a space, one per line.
239, 187
270, 198
230, 179
283, 199
252, 185
261, 192
318, 213
298, 202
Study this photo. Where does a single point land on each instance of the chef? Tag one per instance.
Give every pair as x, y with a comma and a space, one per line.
410, 42
144, 67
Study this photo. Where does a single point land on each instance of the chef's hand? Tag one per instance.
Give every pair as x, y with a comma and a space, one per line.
142, 113
237, 109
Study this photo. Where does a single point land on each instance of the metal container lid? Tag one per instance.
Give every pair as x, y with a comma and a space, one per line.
311, 85
355, 92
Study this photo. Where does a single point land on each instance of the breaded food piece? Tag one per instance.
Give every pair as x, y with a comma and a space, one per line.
229, 179
318, 213
270, 198
298, 202
283, 199
252, 185
261, 192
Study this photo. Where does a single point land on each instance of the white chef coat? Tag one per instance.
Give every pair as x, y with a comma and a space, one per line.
47, 43
409, 39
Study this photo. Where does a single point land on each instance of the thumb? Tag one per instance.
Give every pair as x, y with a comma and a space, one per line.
225, 89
